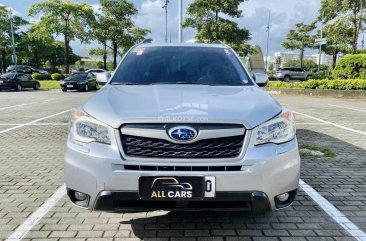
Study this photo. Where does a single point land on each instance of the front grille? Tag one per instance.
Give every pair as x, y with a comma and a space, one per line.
227, 147
183, 168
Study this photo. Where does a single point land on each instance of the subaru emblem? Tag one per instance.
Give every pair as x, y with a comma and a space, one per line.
182, 133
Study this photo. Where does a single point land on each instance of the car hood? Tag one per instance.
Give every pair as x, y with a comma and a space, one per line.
115, 105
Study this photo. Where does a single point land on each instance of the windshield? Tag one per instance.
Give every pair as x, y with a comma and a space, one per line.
5, 76
181, 65
78, 76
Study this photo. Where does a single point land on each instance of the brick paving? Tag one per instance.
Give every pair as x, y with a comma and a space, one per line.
31, 170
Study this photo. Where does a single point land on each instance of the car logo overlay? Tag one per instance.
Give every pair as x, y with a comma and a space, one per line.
182, 133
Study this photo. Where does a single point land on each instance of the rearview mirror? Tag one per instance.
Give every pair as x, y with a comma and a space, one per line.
261, 79
102, 78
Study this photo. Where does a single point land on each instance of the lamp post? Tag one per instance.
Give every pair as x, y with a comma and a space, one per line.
268, 28
12, 39
320, 44
166, 20
180, 22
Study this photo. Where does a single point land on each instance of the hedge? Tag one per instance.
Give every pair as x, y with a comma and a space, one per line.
338, 84
57, 76
41, 76
352, 66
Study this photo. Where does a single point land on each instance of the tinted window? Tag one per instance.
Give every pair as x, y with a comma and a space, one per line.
171, 65
78, 76
7, 76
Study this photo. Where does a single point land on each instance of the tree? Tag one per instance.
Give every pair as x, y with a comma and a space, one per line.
206, 16
351, 11
300, 39
5, 34
65, 17
339, 38
121, 33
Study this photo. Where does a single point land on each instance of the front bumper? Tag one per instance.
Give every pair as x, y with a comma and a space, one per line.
98, 170
6, 86
72, 86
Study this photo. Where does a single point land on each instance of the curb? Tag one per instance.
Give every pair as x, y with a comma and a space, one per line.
346, 94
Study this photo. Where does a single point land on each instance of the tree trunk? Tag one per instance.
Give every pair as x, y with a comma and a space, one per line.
105, 56
67, 41
115, 53
335, 54
301, 58
3, 58
36, 58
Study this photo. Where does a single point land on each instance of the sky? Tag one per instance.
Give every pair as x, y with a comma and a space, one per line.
284, 15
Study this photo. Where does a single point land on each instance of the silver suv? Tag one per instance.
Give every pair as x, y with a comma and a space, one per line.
181, 127
287, 74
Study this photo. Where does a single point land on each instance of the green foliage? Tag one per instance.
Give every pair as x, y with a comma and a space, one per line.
57, 76
300, 38
351, 66
338, 84
321, 75
206, 17
66, 17
326, 151
41, 76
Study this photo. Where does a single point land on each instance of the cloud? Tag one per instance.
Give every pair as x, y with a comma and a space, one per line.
97, 8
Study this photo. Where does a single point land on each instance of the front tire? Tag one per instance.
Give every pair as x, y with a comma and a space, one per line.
86, 88
64, 89
286, 78
36, 86
19, 87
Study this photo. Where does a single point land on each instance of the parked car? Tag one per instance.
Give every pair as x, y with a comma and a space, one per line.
81, 81
181, 127
25, 69
287, 74
18, 82
102, 78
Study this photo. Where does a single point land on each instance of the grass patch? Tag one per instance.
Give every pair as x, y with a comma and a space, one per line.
50, 85
305, 151
325, 84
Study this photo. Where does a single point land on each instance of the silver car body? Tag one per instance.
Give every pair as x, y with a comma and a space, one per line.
99, 170
288, 73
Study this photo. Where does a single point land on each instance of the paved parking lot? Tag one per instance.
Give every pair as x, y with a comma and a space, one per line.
33, 130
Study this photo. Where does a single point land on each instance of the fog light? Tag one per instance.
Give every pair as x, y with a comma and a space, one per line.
283, 197
80, 196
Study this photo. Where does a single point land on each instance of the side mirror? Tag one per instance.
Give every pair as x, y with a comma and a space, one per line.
102, 78
261, 79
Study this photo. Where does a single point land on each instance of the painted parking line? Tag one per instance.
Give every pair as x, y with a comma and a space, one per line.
38, 124
33, 122
331, 123
30, 103
37, 215
12, 106
333, 212
349, 108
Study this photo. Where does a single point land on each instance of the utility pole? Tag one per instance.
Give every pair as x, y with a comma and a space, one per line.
166, 20
268, 28
320, 44
13, 41
180, 21
363, 40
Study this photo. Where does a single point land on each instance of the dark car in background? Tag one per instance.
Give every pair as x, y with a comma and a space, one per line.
81, 81
18, 82
25, 69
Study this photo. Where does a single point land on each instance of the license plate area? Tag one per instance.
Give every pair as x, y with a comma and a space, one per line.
70, 86
176, 187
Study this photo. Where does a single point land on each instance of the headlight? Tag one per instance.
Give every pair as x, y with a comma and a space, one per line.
85, 128
278, 130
